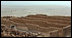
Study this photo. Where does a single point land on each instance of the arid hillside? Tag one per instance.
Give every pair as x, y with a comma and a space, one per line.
38, 25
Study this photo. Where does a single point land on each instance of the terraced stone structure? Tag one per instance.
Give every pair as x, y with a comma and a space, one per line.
36, 26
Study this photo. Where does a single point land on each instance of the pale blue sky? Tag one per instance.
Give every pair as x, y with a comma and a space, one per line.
63, 3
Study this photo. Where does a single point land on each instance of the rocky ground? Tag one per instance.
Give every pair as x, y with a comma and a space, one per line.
35, 26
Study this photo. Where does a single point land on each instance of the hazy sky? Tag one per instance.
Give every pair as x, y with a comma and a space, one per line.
63, 3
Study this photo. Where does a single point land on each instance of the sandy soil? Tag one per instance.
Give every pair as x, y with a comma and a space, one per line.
46, 28
35, 21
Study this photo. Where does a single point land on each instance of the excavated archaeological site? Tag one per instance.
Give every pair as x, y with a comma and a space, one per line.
36, 26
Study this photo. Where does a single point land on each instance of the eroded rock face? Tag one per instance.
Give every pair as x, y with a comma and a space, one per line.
35, 26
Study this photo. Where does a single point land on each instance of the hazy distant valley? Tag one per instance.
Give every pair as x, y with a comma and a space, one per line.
28, 10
